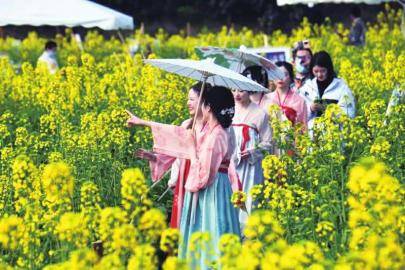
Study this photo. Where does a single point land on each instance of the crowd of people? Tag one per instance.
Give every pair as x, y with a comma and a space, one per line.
219, 149
223, 153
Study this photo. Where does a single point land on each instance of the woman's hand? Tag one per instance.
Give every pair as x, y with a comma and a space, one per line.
316, 107
134, 120
246, 153
145, 154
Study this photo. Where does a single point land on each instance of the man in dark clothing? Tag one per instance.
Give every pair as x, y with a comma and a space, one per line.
357, 36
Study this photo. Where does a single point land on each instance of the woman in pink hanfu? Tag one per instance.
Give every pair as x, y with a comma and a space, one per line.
290, 103
180, 167
212, 177
253, 135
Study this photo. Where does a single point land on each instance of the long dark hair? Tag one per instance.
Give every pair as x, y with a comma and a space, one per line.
257, 74
324, 60
221, 102
197, 87
288, 67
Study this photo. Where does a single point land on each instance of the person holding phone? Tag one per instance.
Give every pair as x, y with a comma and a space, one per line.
326, 88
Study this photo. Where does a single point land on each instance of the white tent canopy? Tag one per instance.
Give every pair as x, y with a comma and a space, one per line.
68, 13
312, 2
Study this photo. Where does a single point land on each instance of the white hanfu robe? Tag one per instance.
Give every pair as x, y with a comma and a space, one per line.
252, 133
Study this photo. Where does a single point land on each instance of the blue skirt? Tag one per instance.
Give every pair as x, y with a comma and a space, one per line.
215, 214
250, 175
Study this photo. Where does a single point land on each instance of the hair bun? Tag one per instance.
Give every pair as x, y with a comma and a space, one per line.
222, 104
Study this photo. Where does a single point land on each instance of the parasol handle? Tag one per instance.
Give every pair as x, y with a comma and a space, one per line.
164, 193
195, 194
199, 102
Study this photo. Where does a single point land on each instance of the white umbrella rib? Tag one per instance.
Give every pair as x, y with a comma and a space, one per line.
191, 72
236, 85
212, 79
224, 82
247, 86
177, 69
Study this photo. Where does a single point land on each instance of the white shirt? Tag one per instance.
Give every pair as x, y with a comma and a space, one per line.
49, 59
336, 90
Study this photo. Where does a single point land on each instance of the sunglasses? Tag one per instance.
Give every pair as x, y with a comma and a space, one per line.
299, 79
303, 58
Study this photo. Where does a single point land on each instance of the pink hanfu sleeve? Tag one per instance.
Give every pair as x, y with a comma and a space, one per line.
173, 141
160, 166
236, 184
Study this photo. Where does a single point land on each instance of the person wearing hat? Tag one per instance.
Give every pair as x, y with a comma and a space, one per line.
302, 56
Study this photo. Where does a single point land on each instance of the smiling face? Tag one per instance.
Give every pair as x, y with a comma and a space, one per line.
192, 103
241, 97
321, 73
286, 81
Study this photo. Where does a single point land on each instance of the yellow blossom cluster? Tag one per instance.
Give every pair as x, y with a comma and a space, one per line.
265, 248
71, 228
11, 231
376, 219
133, 192
169, 241
274, 169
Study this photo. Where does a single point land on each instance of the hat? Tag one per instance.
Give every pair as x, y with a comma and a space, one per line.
304, 44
